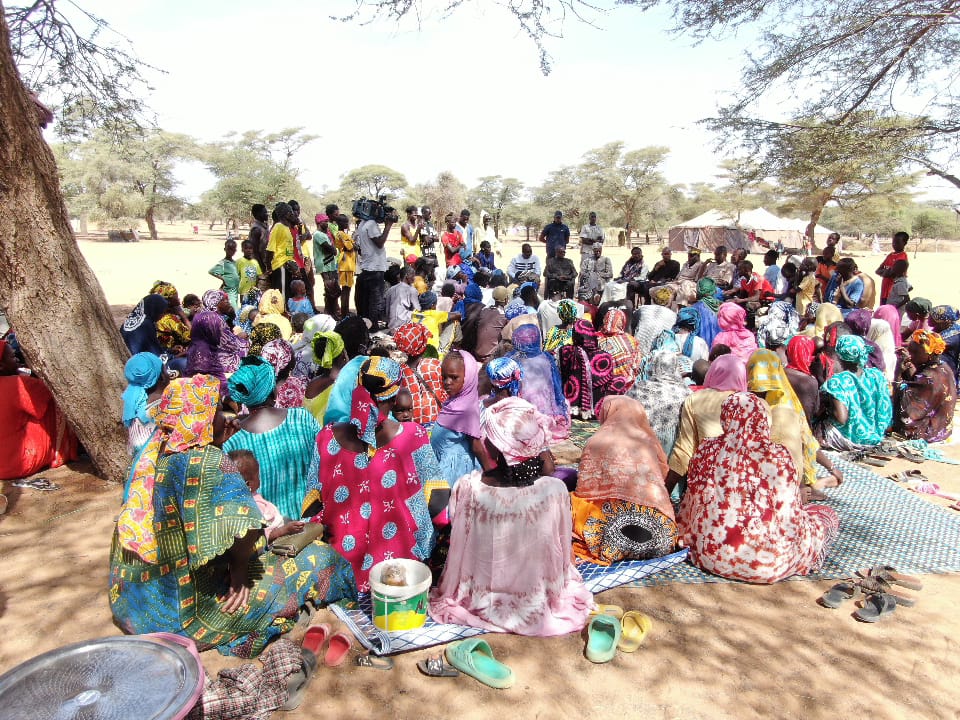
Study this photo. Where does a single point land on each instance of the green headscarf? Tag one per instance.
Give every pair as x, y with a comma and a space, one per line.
852, 349
332, 348
919, 306
707, 293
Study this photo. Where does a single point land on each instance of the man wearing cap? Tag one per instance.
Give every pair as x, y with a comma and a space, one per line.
590, 234
325, 254
555, 234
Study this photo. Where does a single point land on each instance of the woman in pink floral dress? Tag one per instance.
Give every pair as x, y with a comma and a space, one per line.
742, 517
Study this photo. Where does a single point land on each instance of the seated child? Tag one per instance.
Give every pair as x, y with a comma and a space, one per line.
299, 303
249, 469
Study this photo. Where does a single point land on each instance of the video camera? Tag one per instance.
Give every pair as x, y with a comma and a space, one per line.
376, 210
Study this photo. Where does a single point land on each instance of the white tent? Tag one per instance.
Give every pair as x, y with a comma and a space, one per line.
714, 228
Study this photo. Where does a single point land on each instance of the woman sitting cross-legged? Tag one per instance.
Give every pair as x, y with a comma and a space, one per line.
509, 565
742, 516
926, 393
621, 507
188, 552
369, 475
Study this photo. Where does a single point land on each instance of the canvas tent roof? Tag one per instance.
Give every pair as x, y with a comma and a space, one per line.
714, 228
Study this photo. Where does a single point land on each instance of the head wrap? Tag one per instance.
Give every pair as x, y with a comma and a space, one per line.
320, 218
271, 303
412, 339
212, 299
139, 328
516, 428
333, 347
505, 373
662, 295
931, 342
453, 271
707, 293
892, 316
473, 294
852, 349
261, 335
524, 286
364, 411
252, 382
663, 366
774, 333
527, 341
943, 314
727, 372
388, 371
203, 355
919, 306
688, 318
567, 310
461, 412
614, 322
164, 288
278, 353
811, 313
467, 269
859, 321
515, 308
800, 352
428, 300
142, 372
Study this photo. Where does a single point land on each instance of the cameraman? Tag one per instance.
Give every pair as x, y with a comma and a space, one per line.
371, 239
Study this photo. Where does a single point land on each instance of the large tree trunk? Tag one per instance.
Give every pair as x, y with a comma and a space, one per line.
151, 223
47, 290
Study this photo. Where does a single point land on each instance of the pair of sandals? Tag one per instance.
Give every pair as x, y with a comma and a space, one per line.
337, 650
611, 629
875, 588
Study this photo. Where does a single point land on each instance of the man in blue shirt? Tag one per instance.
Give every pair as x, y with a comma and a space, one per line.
555, 235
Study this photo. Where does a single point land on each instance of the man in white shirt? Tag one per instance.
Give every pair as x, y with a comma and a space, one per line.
525, 262
590, 234
371, 241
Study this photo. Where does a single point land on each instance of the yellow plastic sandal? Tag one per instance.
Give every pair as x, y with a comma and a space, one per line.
611, 610
635, 627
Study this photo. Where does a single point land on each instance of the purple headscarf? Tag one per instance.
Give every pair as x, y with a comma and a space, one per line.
859, 322
461, 412
206, 331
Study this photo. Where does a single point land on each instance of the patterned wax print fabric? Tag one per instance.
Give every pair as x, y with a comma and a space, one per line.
542, 383
742, 517
651, 321
202, 505
172, 331
926, 402
291, 392
284, 454
869, 407
587, 373
487, 584
661, 393
623, 347
425, 385
373, 507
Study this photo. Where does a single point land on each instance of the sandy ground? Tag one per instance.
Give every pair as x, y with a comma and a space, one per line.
716, 651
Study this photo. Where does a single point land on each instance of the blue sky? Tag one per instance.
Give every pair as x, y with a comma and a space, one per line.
463, 94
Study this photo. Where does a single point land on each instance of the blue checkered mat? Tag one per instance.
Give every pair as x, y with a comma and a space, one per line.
596, 577
880, 523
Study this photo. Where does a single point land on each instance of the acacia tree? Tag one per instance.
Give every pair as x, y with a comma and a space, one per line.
494, 194
443, 195
77, 350
372, 181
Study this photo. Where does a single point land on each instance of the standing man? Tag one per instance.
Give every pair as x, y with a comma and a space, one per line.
428, 235
259, 234
885, 270
227, 273
598, 271
490, 235
590, 234
325, 254
555, 235
283, 261
370, 240
467, 233
303, 241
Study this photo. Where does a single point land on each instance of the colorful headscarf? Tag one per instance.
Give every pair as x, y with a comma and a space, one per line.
364, 411
166, 289
732, 319
942, 314
505, 373
461, 412
852, 349
473, 294
800, 351
614, 322
278, 353
859, 321
428, 300
662, 295
184, 420
515, 308
212, 299
567, 310
707, 293
689, 318
333, 348
892, 316
142, 372
727, 372
931, 342
203, 357
412, 339
261, 335
271, 303
253, 382
516, 428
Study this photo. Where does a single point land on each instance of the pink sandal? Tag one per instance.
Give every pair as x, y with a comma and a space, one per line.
338, 649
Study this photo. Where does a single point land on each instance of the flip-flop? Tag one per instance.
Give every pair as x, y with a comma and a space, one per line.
634, 627
875, 585
908, 453
474, 657
436, 667
297, 683
611, 610
603, 635
892, 576
839, 594
375, 661
338, 649
315, 637
872, 461
875, 608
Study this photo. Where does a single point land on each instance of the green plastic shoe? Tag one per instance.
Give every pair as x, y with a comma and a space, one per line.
603, 634
474, 657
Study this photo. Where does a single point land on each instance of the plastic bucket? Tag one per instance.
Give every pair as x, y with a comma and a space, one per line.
398, 608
